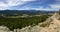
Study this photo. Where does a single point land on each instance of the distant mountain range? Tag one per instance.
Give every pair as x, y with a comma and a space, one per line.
20, 12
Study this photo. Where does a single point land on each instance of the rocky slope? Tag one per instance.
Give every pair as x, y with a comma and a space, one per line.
52, 24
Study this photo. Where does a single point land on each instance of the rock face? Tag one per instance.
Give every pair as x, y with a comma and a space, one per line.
4, 29
53, 24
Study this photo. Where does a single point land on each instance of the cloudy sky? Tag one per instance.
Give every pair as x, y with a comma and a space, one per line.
48, 5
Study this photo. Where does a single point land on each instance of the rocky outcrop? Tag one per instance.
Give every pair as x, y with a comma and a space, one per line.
4, 29
52, 24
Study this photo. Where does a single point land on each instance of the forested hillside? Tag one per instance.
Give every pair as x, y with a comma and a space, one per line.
14, 23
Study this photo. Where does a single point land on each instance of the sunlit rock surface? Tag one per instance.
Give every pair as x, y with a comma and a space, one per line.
54, 24
4, 29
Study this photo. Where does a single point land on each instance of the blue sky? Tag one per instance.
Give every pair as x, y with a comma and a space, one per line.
48, 5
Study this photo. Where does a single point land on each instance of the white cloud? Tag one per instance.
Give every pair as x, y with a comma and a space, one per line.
55, 6
10, 3
2, 4
14, 2
46, 8
28, 0
40, 8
